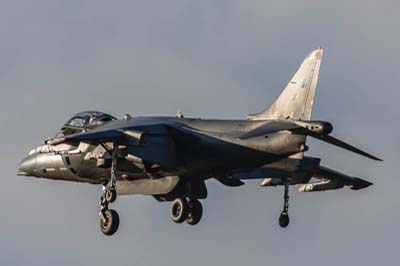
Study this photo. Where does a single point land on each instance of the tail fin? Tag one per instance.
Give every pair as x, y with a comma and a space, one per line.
296, 100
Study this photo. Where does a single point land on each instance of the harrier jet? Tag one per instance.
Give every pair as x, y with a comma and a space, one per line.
170, 158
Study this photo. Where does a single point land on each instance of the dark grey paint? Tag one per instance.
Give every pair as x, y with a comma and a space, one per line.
224, 60
171, 157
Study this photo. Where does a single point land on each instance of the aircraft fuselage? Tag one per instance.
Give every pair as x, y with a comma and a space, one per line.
218, 151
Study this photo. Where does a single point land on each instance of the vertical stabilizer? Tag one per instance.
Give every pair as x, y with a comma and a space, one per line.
296, 100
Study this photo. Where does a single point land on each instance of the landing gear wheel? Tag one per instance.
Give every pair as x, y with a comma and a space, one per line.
109, 222
109, 219
111, 194
179, 210
195, 212
284, 219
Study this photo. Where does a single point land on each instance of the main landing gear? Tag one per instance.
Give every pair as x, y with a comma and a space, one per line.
284, 217
182, 210
109, 219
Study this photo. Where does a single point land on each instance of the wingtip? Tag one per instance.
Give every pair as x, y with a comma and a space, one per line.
360, 184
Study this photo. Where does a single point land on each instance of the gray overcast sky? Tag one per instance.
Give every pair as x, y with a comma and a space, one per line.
219, 59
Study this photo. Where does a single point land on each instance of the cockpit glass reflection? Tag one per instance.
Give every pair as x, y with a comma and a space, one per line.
84, 121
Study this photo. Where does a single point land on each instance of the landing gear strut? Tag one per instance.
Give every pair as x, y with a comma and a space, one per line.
284, 217
182, 210
109, 219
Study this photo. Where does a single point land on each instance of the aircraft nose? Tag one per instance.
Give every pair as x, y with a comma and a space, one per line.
27, 165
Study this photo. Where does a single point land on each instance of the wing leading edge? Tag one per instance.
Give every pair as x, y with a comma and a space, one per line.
131, 135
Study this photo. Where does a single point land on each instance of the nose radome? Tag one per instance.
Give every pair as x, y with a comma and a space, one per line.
27, 165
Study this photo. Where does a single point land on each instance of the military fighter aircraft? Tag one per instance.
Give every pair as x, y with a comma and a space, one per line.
170, 158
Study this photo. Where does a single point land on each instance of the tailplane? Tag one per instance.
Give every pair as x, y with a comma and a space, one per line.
296, 100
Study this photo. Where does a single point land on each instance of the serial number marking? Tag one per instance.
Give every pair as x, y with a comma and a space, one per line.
242, 126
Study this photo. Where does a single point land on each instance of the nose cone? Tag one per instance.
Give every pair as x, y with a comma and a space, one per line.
27, 166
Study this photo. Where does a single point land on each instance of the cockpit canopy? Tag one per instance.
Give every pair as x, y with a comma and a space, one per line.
84, 121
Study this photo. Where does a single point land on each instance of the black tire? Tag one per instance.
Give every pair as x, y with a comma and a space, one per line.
111, 223
111, 194
195, 212
179, 210
284, 219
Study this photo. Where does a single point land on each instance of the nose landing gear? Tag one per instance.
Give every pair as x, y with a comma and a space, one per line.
284, 217
109, 218
110, 222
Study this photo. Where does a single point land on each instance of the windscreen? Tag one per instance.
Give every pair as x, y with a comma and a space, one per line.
84, 121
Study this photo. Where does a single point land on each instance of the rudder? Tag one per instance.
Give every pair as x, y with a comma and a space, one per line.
296, 100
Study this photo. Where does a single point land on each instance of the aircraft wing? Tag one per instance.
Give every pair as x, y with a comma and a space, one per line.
99, 136
182, 134
131, 135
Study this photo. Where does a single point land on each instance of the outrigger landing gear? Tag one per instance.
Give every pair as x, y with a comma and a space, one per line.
182, 210
284, 217
109, 219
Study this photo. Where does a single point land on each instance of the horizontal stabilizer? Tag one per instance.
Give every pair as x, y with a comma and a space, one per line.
316, 129
343, 145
